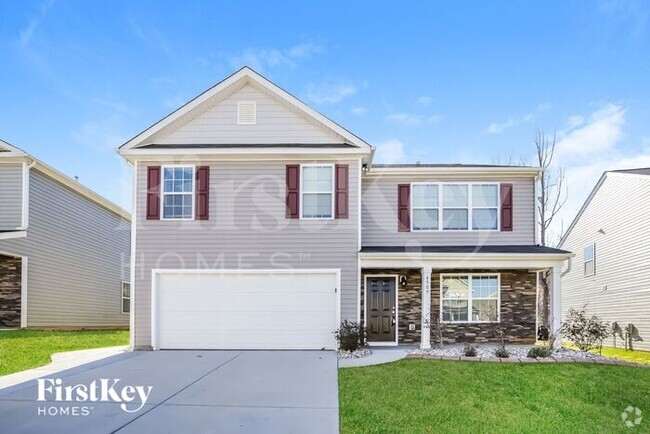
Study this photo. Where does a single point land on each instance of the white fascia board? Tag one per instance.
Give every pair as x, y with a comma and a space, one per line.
13, 234
279, 154
451, 171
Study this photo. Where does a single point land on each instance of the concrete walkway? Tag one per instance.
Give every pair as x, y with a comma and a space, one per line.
379, 356
61, 362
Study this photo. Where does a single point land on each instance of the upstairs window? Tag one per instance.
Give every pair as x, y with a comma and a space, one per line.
590, 259
317, 191
485, 206
178, 193
454, 207
425, 207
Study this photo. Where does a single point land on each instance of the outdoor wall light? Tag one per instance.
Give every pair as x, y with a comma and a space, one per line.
402, 280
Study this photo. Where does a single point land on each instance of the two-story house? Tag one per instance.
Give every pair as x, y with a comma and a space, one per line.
64, 249
259, 223
610, 274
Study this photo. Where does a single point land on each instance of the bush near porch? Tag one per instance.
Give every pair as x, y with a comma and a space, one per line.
446, 396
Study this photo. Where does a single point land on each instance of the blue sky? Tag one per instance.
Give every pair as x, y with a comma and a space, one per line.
433, 81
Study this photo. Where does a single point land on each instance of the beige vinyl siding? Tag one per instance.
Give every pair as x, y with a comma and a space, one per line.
620, 289
275, 123
247, 229
78, 255
11, 196
379, 214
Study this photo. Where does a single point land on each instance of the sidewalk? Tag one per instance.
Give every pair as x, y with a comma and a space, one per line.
61, 362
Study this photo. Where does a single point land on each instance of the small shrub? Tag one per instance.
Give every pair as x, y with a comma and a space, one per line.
502, 353
469, 350
537, 352
583, 331
350, 336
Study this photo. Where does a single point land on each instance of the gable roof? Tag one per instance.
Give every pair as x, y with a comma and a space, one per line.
644, 171
11, 153
221, 91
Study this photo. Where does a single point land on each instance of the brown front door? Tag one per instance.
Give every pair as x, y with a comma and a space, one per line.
380, 311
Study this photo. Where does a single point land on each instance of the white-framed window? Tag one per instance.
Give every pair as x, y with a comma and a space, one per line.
317, 191
590, 259
471, 298
454, 206
425, 207
485, 207
126, 297
177, 193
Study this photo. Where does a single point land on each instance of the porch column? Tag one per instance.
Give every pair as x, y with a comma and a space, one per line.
556, 303
425, 324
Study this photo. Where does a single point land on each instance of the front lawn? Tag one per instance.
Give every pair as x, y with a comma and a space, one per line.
26, 349
444, 396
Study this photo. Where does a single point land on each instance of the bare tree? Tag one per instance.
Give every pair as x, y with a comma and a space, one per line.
552, 197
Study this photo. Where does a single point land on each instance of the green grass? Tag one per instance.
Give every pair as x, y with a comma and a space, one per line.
418, 396
26, 349
635, 356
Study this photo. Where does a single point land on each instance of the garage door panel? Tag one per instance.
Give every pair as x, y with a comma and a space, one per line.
246, 311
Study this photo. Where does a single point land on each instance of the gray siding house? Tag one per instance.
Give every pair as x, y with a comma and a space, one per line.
260, 223
610, 273
64, 250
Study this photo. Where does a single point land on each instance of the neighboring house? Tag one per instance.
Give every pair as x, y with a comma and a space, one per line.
260, 223
64, 250
610, 273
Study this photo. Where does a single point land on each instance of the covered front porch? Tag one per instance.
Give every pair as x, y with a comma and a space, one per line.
456, 294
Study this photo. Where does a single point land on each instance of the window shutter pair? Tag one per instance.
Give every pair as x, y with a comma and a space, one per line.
201, 192
341, 191
404, 207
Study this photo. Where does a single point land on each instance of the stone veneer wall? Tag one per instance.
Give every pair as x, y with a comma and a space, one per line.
517, 308
9, 292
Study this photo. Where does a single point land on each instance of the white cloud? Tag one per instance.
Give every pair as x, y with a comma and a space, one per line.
263, 58
390, 151
593, 146
359, 111
104, 134
330, 92
499, 127
425, 100
496, 127
25, 36
412, 120
599, 132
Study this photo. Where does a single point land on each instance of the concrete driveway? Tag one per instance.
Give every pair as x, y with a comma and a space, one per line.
192, 391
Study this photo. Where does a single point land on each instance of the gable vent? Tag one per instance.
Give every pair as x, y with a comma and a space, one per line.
246, 112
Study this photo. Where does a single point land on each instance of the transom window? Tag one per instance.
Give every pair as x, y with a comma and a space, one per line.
317, 191
590, 259
454, 207
126, 297
178, 193
470, 298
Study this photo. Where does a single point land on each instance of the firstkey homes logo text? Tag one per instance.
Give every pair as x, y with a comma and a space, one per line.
81, 396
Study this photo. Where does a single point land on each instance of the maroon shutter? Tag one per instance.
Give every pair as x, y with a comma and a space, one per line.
293, 191
506, 207
202, 192
404, 207
153, 193
341, 198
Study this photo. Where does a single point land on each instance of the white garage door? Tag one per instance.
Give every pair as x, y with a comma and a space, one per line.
233, 309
